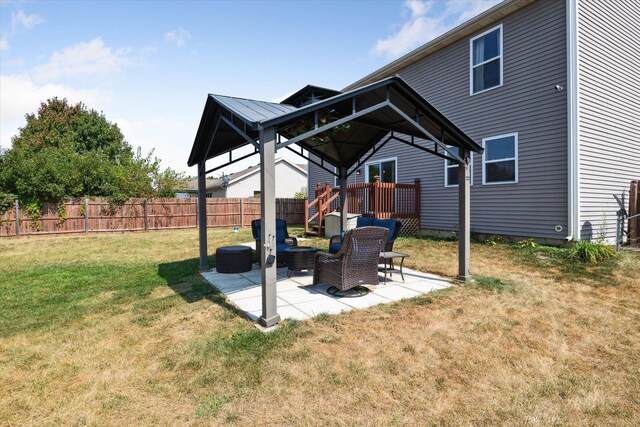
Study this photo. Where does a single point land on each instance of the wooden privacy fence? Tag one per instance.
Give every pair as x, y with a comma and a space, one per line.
101, 215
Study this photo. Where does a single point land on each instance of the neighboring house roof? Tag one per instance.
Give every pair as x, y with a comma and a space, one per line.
216, 183
463, 30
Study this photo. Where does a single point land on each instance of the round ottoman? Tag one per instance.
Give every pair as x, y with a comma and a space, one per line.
234, 259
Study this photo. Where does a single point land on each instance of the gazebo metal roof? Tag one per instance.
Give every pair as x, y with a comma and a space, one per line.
339, 130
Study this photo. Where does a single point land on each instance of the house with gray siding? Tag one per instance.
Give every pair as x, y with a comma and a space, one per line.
551, 89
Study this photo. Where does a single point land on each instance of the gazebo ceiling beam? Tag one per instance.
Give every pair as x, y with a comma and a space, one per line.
335, 123
375, 149
308, 158
428, 134
239, 131
425, 149
213, 135
232, 161
376, 125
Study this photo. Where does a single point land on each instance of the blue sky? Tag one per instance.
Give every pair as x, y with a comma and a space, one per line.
148, 65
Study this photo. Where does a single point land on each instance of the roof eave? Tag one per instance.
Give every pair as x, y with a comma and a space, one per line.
474, 24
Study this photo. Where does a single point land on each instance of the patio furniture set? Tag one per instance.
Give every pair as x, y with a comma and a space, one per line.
353, 259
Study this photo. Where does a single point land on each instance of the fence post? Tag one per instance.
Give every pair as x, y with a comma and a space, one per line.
17, 218
241, 212
146, 217
86, 215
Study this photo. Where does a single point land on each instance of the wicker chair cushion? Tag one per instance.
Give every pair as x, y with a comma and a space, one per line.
364, 221
334, 248
386, 223
281, 233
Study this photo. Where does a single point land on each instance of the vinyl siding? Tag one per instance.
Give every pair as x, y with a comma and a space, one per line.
527, 103
609, 111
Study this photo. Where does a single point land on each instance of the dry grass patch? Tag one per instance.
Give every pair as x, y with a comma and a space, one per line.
120, 329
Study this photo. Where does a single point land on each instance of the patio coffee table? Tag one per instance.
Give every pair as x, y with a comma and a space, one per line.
298, 258
387, 259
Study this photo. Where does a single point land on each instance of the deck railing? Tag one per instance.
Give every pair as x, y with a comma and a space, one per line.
372, 199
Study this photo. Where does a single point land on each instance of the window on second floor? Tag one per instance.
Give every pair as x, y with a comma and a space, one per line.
486, 60
500, 159
451, 170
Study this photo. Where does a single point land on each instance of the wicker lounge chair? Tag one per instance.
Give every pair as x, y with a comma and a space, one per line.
355, 264
392, 225
283, 240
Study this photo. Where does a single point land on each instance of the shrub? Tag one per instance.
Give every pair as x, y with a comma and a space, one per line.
592, 253
529, 243
494, 241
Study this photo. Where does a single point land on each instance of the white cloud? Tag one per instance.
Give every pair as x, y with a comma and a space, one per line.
20, 20
465, 10
19, 95
417, 7
90, 58
178, 37
427, 23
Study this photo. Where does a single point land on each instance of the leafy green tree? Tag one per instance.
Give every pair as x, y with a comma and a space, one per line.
68, 151
300, 194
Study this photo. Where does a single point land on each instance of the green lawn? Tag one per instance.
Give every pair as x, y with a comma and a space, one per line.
120, 329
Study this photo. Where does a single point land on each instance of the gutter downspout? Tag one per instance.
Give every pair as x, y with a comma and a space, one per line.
573, 178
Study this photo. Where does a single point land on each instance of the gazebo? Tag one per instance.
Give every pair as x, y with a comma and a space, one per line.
336, 131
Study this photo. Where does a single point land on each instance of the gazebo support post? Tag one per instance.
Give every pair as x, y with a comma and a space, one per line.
268, 261
202, 215
464, 218
344, 207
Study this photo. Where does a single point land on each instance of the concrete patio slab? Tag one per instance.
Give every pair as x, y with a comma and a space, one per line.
396, 293
299, 299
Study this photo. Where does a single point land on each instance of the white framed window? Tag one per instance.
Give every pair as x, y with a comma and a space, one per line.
500, 159
451, 170
386, 169
485, 68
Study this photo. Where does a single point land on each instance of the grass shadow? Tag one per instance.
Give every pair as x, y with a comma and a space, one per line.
183, 278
